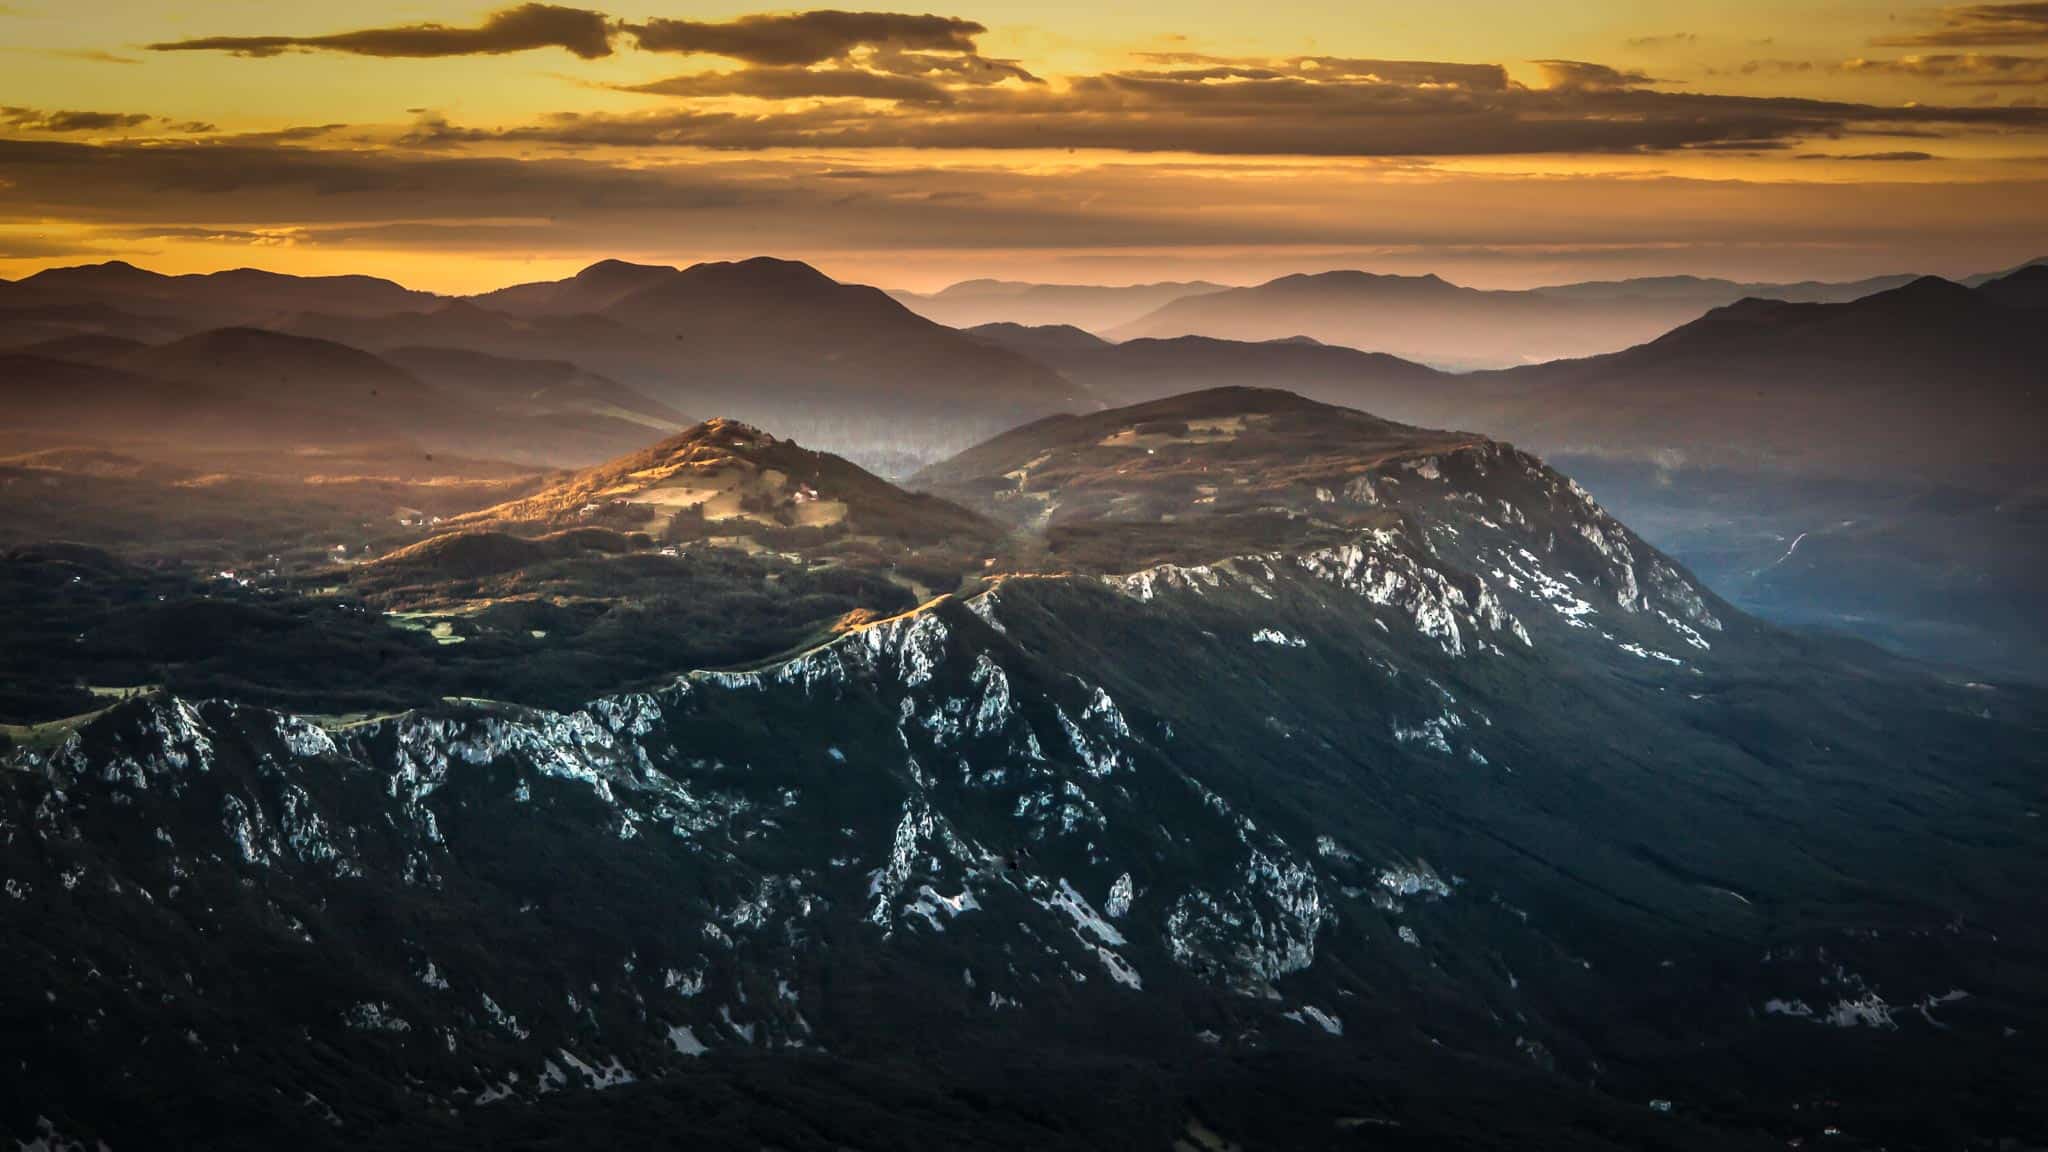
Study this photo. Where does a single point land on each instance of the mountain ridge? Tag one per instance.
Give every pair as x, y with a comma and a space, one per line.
1428, 319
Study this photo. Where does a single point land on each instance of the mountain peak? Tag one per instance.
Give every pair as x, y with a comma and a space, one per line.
109, 271
724, 478
1036, 340
719, 432
762, 273
616, 271
1729, 329
1924, 288
1353, 278
1197, 457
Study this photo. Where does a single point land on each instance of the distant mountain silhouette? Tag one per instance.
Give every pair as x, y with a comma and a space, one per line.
239, 388
1145, 369
592, 290
1428, 319
253, 363
241, 296
1983, 278
1045, 343
252, 389
1092, 307
1931, 380
86, 348
843, 365
541, 387
1713, 292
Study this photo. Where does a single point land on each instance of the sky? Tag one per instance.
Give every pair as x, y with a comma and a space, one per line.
459, 147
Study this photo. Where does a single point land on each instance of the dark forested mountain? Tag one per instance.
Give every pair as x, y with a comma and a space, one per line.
1092, 307
85, 348
588, 340
252, 389
224, 387
2025, 288
1430, 320
1869, 465
1274, 776
1932, 380
587, 414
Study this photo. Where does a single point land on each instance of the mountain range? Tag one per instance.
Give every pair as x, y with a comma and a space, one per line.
1258, 773
1866, 465
1862, 465
1422, 318
1150, 369
1094, 307
1430, 320
756, 339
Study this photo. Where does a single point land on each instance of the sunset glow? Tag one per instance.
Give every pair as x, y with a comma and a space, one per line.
460, 148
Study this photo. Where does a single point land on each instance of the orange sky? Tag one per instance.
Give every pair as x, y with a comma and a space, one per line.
455, 146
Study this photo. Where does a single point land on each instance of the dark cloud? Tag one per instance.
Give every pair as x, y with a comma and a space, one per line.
774, 83
1328, 69
886, 74
1977, 25
37, 120
798, 38
1252, 114
1969, 68
386, 198
392, 198
1752, 67
529, 26
1882, 157
951, 69
1579, 76
221, 235
1667, 40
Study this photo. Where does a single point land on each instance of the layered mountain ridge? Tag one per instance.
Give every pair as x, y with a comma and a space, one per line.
1433, 321
770, 341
